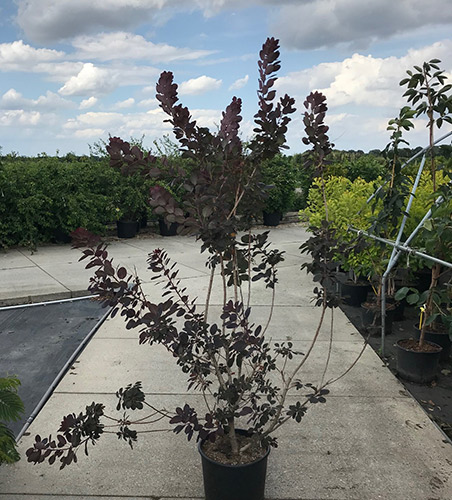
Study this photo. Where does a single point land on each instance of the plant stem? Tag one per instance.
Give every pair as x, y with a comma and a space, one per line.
436, 272
232, 436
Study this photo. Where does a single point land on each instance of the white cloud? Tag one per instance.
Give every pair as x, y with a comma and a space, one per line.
89, 133
362, 80
93, 119
199, 85
209, 118
149, 103
19, 117
127, 103
325, 23
50, 102
50, 20
238, 84
18, 56
90, 80
94, 80
94, 125
88, 103
121, 45
301, 24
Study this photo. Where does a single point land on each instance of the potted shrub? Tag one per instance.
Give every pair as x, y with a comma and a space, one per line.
279, 176
129, 206
435, 323
245, 379
131, 195
417, 360
346, 203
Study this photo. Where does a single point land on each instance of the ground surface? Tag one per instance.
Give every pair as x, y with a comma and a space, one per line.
435, 398
37, 341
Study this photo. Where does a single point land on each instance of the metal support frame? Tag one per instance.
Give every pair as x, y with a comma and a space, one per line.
399, 247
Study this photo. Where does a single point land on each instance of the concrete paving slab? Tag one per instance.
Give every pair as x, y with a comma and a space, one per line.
361, 448
369, 441
173, 244
73, 275
113, 363
298, 293
334, 453
287, 323
112, 468
29, 282
13, 259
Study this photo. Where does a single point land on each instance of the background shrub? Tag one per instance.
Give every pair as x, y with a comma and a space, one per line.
279, 172
40, 196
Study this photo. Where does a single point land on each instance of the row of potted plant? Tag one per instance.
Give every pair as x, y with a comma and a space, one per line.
381, 218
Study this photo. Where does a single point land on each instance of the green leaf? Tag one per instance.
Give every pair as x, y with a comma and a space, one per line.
412, 299
401, 293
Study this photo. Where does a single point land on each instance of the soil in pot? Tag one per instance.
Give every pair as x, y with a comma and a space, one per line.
354, 293
415, 363
439, 337
371, 317
225, 478
126, 228
272, 219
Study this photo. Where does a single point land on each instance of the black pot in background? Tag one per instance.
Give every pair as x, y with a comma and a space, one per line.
166, 230
272, 219
61, 236
440, 338
353, 294
126, 228
418, 366
234, 482
371, 318
144, 220
423, 279
399, 311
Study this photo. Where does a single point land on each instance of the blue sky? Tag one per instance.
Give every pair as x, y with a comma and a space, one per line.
74, 71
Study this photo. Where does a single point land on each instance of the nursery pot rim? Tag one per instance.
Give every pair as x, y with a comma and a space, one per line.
439, 348
429, 330
232, 466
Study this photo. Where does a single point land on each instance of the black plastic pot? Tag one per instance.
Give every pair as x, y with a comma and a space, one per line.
126, 228
144, 220
167, 230
440, 338
399, 311
423, 279
272, 219
418, 366
353, 294
234, 482
371, 318
61, 236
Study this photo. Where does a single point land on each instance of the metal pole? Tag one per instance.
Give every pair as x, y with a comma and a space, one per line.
50, 302
403, 248
422, 151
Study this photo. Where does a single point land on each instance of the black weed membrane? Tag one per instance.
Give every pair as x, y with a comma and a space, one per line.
40, 342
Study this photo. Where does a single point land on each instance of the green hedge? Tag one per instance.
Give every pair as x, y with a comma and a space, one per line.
40, 196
